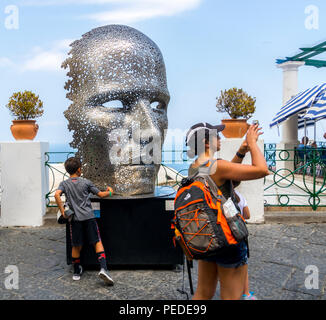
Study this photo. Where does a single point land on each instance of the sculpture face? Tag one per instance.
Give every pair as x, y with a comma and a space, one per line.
120, 146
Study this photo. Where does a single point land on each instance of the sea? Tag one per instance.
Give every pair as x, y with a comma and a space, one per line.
177, 160
58, 153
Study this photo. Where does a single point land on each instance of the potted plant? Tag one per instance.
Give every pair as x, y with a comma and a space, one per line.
24, 107
237, 104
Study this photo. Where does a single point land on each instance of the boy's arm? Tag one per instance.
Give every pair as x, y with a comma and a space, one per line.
94, 190
58, 200
107, 193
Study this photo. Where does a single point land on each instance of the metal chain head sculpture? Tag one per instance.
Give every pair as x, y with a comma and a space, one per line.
119, 145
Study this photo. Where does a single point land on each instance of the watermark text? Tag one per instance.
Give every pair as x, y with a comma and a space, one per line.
312, 280
11, 281
11, 17
312, 19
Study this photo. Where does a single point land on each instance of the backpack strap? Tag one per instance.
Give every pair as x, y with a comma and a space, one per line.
204, 169
205, 175
201, 172
214, 189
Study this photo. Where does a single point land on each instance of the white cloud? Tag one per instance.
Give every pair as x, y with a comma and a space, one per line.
145, 9
46, 3
47, 59
40, 58
126, 11
6, 62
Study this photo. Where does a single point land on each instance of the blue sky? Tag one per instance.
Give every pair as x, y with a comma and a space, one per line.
208, 46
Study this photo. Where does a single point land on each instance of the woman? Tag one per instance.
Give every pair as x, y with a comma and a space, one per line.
230, 265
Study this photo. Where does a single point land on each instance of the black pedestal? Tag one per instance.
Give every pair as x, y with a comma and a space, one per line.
135, 231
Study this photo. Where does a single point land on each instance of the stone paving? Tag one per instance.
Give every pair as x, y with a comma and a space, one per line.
279, 257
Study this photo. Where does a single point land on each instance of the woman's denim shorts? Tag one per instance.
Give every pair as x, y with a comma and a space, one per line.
233, 256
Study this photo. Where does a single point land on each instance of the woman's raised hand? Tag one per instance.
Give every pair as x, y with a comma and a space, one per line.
244, 148
253, 134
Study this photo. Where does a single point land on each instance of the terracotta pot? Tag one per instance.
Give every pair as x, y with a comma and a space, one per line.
235, 128
24, 129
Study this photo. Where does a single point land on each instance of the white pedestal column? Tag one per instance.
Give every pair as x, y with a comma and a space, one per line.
24, 180
289, 127
253, 190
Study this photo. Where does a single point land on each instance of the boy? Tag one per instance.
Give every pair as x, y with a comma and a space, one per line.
83, 224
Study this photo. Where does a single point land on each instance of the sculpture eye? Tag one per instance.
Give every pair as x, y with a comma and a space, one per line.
114, 104
157, 105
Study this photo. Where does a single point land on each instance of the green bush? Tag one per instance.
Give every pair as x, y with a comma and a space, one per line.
237, 103
25, 106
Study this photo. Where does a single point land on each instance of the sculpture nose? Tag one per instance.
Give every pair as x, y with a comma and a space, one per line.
147, 121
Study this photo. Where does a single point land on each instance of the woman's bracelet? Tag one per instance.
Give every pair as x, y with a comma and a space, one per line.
240, 155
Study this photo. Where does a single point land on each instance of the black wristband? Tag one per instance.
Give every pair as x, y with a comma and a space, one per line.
240, 155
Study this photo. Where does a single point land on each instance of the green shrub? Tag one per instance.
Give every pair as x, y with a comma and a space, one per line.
237, 103
25, 106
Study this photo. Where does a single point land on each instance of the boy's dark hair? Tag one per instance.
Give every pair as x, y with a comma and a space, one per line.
72, 165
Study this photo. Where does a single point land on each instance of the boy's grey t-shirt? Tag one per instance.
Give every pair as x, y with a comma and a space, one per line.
77, 191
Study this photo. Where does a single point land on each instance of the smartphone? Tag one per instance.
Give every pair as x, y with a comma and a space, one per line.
254, 122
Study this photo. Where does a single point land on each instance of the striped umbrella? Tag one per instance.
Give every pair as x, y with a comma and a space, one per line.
315, 113
299, 104
304, 122
318, 110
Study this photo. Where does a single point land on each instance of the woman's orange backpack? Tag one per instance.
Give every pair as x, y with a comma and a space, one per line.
201, 227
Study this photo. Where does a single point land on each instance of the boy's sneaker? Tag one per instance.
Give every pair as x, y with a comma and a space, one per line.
76, 276
105, 276
250, 296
